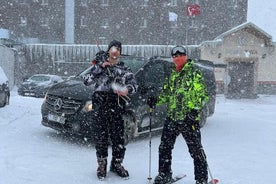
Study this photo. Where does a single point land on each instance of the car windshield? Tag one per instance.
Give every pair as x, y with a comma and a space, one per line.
40, 78
135, 63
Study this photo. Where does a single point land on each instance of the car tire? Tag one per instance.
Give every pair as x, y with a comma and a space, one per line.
130, 127
4, 102
7, 100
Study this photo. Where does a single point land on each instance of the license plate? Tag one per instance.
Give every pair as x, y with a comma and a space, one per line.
56, 118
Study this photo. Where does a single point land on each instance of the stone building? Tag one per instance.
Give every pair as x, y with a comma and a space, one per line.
247, 59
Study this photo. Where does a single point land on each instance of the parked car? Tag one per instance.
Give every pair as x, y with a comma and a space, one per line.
4, 89
68, 106
37, 85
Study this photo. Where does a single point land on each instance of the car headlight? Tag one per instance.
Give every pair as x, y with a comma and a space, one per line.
88, 106
44, 99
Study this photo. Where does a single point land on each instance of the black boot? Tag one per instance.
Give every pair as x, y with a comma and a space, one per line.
163, 178
116, 167
101, 171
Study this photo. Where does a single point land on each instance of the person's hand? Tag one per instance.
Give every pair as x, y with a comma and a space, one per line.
87, 79
119, 89
101, 57
122, 92
105, 64
152, 101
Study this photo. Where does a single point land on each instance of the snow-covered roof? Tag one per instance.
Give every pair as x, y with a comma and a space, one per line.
251, 28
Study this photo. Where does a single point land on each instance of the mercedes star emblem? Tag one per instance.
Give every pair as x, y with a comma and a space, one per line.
58, 104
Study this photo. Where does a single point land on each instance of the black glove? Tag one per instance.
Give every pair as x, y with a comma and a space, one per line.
193, 114
101, 57
152, 101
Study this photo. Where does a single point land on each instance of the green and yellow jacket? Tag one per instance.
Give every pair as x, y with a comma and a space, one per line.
184, 91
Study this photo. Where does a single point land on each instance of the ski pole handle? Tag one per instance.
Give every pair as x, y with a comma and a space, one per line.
151, 101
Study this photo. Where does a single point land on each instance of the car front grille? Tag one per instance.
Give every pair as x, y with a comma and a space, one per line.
62, 105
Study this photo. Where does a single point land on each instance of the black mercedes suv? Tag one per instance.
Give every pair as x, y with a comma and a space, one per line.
67, 106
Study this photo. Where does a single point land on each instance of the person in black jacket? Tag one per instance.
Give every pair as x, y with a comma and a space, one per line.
113, 82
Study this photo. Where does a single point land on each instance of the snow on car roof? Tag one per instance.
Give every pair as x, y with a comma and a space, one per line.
3, 77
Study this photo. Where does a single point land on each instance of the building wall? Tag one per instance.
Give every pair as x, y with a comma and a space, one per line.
243, 46
132, 22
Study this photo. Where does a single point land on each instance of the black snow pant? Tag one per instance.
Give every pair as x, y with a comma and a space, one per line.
108, 123
190, 131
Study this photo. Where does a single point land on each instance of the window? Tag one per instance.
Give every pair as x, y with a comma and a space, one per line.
144, 23
22, 1
83, 3
83, 21
103, 40
104, 2
219, 3
105, 23
144, 2
44, 21
44, 2
235, 2
23, 21
173, 3
174, 24
193, 24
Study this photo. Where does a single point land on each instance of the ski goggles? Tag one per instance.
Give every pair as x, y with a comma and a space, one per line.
178, 50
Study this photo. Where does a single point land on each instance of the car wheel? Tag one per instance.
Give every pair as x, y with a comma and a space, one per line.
2, 104
7, 100
130, 127
203, 116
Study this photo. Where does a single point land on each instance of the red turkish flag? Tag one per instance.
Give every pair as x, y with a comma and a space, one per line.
193, 9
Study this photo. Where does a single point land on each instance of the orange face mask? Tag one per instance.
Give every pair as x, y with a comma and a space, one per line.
179, 62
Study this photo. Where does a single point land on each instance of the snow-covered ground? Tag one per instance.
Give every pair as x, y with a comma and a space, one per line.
239, 140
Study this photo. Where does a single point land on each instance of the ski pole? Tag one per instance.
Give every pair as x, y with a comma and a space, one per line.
151, 102
209, 170
150, 118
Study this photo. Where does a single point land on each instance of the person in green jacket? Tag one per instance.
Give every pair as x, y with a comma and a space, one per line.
185, 93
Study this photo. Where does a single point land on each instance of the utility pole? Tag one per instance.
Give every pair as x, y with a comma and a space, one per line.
69, 21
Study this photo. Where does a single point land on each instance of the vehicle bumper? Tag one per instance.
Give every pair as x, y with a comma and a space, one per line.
32, 93
78, 123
